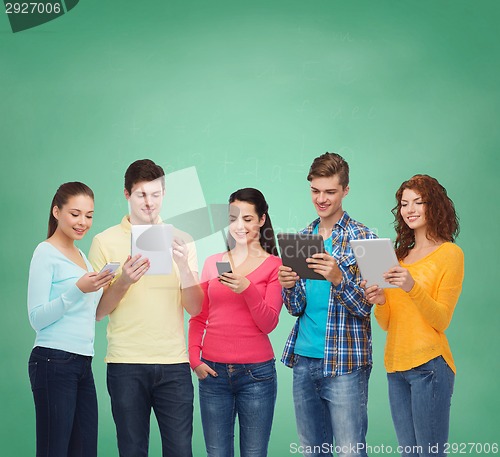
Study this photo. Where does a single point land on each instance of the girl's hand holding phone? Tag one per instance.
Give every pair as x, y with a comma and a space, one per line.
92, 282
235, 282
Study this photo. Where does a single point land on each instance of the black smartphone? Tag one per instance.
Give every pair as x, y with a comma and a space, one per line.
223, 267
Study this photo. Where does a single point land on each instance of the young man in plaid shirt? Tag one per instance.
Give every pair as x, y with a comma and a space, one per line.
329, 347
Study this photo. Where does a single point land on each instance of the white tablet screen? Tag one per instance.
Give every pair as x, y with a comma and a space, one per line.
374, 258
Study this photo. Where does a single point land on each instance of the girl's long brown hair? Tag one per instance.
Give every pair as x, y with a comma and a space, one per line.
440, 214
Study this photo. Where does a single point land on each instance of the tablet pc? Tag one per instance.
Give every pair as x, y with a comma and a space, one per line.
374, 258
295, 248
155, 243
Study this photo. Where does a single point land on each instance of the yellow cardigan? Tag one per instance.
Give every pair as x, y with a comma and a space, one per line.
415, 321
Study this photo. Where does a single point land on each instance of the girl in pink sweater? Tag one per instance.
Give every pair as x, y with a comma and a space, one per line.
229, 347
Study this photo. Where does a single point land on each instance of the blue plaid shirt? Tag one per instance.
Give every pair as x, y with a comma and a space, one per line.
348, 342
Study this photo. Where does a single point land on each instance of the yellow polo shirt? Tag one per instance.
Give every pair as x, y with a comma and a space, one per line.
147, 326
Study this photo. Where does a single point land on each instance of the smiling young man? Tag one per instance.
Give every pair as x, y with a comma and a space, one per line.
329, 347
147, 360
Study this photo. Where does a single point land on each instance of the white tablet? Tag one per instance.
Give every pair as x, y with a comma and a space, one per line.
155, 243
375, 257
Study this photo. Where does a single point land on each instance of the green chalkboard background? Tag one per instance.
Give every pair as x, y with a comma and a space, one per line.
249, 93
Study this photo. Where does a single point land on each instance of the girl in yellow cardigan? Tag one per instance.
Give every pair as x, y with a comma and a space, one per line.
420, 367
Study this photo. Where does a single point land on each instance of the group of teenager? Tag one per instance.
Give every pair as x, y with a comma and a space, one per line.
232, 314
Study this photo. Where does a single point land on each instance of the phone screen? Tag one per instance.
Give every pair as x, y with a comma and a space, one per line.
111, 267
223, 267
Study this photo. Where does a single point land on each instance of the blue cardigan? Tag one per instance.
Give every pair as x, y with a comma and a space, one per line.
62, 315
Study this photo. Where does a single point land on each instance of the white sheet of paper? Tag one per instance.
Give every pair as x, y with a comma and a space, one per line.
155, 243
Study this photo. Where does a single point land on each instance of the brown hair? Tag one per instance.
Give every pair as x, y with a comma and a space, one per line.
61, 197
143, 170
440, 214
330, 164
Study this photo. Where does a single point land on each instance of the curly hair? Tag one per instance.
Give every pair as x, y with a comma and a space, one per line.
440, 214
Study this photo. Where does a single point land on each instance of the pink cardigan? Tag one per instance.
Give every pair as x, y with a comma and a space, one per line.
233, 328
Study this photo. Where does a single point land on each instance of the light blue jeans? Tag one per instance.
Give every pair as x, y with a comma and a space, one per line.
328, 409
420, 401
246, 390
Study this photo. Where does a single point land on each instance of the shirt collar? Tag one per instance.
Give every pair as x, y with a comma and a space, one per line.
343, 223
127, 226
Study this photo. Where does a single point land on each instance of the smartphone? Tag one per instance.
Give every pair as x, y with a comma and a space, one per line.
223, 267
111, 267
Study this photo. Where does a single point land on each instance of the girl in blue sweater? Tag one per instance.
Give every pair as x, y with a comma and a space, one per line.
63, 293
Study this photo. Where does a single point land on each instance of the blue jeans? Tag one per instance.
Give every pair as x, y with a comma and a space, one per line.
65, 403
329, 408
135, 389
246, 390
420, 401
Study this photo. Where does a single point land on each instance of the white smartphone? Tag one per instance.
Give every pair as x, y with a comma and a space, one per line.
111, 267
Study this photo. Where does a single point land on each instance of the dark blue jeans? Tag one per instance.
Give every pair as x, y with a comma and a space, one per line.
245, 390
135, 389
65, 403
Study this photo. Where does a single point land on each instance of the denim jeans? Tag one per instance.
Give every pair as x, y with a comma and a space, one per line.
328, 409
135, 389
65, 403
420, 401
244, 390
